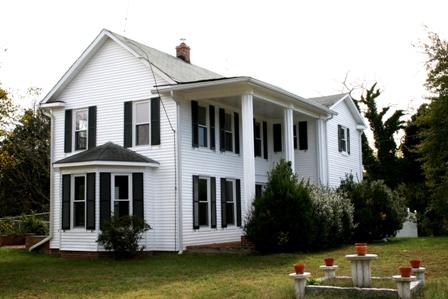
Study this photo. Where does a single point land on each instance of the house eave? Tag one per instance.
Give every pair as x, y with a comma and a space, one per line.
106, 163
52, 105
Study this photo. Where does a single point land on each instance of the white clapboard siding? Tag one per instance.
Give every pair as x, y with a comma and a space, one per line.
306, 160
110, 78
340, 164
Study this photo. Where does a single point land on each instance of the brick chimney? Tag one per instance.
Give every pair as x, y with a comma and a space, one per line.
183, 51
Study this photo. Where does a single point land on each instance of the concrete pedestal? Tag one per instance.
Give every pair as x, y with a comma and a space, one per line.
299, 283
403, 286
329, 271
361, 273
420, 274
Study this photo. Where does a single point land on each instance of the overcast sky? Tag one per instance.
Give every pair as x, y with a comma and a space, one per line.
306, 47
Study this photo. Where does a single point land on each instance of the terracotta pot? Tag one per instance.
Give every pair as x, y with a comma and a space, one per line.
329, 261
415, 263
405, 271
361, 250
299, 268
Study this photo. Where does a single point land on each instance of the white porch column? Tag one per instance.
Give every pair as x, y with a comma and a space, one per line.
322, 161
247, 126
288, 123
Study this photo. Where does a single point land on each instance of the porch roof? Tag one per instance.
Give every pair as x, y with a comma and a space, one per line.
251, 82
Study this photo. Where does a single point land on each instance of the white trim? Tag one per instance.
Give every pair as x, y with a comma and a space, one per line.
361, 124
53, 105
106, 163
135, 124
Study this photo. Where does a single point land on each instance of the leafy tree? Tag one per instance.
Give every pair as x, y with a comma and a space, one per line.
24, 165
385, 165
433, 147
7, 109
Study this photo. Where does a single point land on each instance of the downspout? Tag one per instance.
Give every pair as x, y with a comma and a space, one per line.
179, 179
50, 226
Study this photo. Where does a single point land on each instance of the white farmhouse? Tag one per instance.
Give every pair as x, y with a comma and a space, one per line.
138, 131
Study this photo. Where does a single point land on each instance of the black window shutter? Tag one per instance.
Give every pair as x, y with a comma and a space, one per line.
295, 136
90, 204
66, 201
92, 127
155, 121
277, 128
223, 203
211, 114
238, 203
137, 195
222, 116
195, 202
194, 123
68, 131
340, 138
104, 198
348, 141
255, 143
303, 135
127, 124
236, 121
265, 140
213, 202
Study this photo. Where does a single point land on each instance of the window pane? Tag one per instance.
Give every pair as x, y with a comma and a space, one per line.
80, 140
257, 130
229, 191
228, 122
258, 190
79, 213
142, 132
203, 213
202, 190
79, 188
228, 141
230, 213
343, 145
121, 208
81, 120
202, 116
121, 187
202, 136
257, 148
142, 112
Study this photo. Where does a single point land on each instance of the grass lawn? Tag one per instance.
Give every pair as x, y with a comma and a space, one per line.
30, 275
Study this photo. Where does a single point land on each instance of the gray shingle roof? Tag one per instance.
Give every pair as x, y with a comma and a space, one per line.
173, 67
329, 100
107, 152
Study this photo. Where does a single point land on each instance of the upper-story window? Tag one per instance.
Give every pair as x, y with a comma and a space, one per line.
228, 132
81, 128
257, 139
202, 126
344, 139
142, 122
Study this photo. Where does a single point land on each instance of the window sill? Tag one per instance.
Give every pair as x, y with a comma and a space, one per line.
345, 154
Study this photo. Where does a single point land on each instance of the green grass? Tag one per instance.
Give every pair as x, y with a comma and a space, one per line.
30, 275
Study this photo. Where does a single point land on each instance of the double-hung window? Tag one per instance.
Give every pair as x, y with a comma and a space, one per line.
344, 139
203, 194
202, 126
79, 201
257, 139
142, 123
81, 127
121, 195
230, 202
228, 133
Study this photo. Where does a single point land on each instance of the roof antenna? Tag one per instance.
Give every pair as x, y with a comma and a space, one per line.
126, 17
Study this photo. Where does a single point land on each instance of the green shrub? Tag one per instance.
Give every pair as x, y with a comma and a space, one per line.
333, 214
32, 224
122, 234
7, 227
281, 219
379, 212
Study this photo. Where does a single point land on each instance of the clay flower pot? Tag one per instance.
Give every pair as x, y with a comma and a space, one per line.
405, 271
299, 268
329, 261
415, 264
361, 249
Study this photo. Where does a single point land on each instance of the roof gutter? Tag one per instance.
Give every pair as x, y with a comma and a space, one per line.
236, 80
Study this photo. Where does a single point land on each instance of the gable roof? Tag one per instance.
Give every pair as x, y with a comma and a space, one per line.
332, 101
106, 154
170, 67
